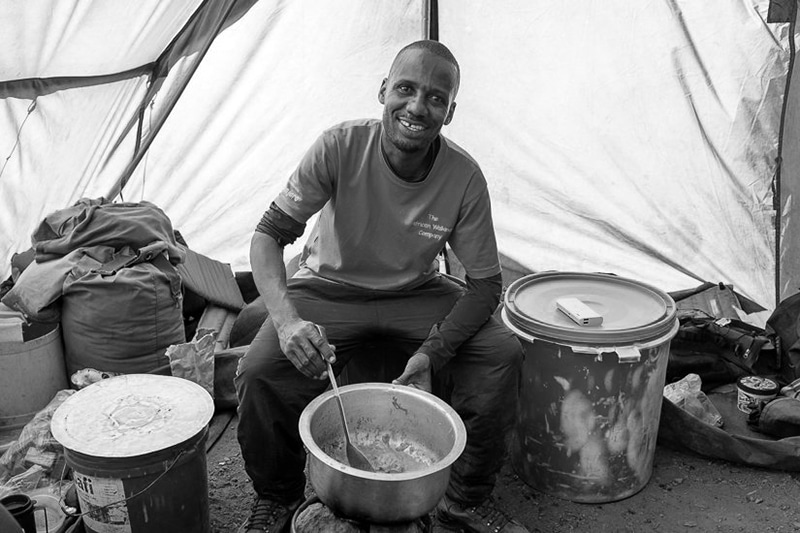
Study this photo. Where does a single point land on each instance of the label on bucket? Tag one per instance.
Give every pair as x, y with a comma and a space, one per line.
103, 499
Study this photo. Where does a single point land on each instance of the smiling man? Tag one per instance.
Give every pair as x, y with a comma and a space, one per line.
391, 194
418, 99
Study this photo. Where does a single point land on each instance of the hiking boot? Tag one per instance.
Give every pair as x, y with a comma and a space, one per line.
483, 518
269, 516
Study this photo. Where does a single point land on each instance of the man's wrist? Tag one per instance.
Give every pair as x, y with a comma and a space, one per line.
425, 359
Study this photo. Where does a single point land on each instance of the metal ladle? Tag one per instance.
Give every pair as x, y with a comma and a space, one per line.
354, 456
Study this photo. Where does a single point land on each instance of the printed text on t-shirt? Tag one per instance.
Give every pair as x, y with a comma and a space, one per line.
430, 228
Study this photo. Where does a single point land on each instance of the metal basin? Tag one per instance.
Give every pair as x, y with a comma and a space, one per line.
411, 437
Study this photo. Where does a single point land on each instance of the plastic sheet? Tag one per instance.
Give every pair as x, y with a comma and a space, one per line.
36, 459
687, 395
195, 360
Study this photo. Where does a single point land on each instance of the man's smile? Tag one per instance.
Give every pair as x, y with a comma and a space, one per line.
412, 126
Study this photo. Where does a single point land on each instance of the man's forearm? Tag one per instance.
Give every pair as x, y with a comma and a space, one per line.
468, 315
269, 274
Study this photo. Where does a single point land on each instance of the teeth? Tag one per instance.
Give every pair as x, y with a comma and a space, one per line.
412, 127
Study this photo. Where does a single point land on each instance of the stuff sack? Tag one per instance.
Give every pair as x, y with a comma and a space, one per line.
784, 325
779, 418
122, 316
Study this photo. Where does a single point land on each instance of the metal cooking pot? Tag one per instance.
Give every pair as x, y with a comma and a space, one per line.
382, 412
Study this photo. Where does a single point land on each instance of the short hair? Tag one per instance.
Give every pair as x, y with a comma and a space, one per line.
436, 48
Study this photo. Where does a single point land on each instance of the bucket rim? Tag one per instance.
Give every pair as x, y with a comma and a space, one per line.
17, 347
593, 348
662, 322
99, 420
17, 502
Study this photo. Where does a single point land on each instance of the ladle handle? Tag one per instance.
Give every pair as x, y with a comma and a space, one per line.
338, 400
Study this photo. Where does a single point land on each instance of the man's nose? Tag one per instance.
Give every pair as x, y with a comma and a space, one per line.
416, 105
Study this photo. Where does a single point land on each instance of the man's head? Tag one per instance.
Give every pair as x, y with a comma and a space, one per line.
419, 95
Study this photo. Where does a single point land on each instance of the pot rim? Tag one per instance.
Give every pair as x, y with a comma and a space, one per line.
455, 452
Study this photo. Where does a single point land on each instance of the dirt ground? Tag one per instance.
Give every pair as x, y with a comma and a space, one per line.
686, 493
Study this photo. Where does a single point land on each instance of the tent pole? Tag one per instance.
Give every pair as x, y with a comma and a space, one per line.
426, 17
777, 200
117, 188
430, 20
140, 127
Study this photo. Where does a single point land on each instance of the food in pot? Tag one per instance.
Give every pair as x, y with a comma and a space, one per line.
389, 454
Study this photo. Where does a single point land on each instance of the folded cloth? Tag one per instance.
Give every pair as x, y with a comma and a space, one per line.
41, 284
95, 222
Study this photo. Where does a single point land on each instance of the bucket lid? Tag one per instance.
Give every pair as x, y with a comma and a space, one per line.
131, 415
631, 311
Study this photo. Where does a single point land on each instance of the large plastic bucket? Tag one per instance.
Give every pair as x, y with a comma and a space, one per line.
31, 373
136, 445
591, 395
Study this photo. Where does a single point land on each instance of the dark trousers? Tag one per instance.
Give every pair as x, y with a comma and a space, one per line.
481, 382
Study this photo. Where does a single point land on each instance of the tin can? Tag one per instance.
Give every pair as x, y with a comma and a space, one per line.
753, 390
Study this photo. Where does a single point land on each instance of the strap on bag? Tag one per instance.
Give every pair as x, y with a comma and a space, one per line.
126, 257
153, 253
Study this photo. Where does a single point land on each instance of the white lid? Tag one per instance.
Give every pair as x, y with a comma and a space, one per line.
131, 415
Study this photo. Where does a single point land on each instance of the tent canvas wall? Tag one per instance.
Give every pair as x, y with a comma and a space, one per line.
639, 138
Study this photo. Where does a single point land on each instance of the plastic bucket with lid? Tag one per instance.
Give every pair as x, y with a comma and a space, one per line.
591, 393
136, 444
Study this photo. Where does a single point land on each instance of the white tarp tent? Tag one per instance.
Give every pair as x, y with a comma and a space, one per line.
639, 138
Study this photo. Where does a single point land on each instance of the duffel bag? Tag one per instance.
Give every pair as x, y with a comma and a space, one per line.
121, 316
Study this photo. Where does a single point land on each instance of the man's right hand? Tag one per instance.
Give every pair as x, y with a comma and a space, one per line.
417, 373
306, 346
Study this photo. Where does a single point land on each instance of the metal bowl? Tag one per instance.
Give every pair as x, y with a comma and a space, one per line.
400, 418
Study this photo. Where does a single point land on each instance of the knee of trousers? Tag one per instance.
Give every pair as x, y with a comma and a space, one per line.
494, 380
508, 352
250, 379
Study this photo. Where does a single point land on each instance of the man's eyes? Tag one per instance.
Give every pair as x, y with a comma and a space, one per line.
407, 89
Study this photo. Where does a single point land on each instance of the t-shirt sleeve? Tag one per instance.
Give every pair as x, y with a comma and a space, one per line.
468, 315
473, 239
311, 184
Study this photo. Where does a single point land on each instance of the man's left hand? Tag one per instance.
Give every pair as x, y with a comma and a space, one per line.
417, 373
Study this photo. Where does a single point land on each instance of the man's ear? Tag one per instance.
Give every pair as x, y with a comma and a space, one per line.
382, 92
449, 116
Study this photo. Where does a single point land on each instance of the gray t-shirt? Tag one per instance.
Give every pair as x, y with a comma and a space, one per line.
378, 231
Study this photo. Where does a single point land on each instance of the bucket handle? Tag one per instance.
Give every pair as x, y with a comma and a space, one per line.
625, 354
72, 512
629, 354
37, 507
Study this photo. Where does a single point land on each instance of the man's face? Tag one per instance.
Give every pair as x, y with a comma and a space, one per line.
418, 99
